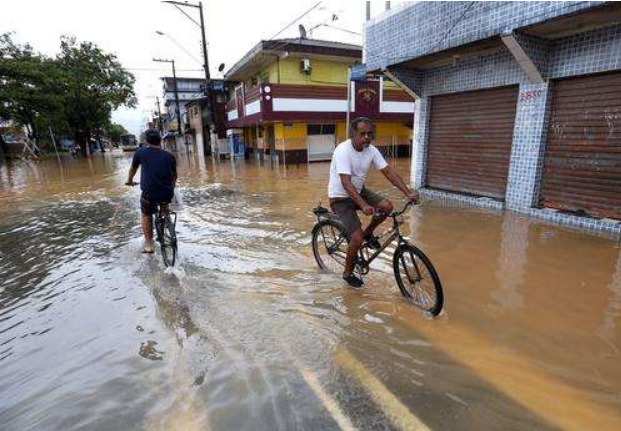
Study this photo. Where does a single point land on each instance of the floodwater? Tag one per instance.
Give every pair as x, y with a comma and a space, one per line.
247, 334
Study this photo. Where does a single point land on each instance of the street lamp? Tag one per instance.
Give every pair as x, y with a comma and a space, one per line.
173, 40
198, 6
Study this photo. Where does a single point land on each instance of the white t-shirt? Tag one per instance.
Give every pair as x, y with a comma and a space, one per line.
346, 160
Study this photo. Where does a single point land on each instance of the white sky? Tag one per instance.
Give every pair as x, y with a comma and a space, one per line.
127, 29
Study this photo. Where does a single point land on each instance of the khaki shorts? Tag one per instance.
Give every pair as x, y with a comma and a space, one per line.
346, 209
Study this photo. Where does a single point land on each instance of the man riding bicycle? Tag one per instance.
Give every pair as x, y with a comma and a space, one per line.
351, 162
157, 181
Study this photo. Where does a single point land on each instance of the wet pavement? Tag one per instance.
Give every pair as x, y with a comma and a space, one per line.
247, 334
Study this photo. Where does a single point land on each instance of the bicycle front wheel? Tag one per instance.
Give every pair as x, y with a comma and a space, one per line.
330, 245
168, 241
418, 279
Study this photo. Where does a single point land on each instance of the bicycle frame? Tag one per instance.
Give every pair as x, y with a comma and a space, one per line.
393, 233
163, 211
364, 258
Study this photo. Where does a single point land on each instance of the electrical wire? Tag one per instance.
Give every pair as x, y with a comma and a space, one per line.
296, 20
186, 14
173, 40
397, 59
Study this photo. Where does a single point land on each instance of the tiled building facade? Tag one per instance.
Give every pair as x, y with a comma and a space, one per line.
472, 47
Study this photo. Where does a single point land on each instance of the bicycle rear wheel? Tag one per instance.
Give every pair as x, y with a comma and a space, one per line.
167, 239
417, 278
330, 245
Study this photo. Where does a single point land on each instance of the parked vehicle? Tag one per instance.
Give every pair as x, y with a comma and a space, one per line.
129, 142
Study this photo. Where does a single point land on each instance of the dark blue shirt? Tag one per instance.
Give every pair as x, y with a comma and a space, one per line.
158, 171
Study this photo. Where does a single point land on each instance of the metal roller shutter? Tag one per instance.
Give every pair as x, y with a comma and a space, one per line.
582, 165
470, 141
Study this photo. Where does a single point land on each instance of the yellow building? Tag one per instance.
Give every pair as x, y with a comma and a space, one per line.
290, 101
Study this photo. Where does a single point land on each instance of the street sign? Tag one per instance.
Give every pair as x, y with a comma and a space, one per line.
358, 72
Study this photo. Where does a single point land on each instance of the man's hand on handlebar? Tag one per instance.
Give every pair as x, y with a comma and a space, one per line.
368, 209
413, 196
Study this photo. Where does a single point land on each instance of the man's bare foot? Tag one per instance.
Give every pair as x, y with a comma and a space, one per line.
147, 249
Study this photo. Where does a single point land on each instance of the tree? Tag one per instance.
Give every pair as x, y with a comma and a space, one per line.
74, 93
114, 132
94, 85
29, 95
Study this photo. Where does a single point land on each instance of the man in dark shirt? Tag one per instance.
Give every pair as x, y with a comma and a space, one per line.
157, 181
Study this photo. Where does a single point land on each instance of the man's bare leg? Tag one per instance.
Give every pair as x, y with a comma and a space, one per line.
385, 207
147, 228
355, 240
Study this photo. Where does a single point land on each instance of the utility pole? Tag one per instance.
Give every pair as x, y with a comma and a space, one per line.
159, 115
348, 99
205, 55
368, 10
208, 87
176, 89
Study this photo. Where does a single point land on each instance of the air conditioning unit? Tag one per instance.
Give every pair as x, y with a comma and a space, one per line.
305, 66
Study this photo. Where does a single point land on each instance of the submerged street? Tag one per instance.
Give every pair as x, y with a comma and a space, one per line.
246, 333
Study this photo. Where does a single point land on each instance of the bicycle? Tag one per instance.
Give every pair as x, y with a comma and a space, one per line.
416, 276
165, 223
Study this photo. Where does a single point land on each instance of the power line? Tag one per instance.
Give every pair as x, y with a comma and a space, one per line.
296, 20
472, 3
152, 69
173, 40
186, 14
398, 58
442, 39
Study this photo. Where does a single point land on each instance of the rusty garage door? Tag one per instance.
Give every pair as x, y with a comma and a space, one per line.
470, 141
582, 165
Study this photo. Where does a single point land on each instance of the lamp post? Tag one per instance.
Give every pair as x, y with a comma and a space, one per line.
208, 90
176, 89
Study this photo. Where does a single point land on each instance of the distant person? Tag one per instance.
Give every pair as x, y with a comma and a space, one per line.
351, 162
157, 181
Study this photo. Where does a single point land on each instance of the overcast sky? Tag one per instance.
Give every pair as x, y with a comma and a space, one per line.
127, 29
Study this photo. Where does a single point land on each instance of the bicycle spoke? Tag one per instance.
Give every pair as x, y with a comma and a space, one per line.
417, 280
327, 243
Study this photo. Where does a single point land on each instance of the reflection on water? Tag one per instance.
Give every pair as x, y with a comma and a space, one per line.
247, 334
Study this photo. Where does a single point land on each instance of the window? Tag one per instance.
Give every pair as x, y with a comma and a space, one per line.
328, 129
313, 129
321, 129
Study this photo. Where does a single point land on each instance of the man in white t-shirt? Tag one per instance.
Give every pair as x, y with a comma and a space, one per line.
350, 165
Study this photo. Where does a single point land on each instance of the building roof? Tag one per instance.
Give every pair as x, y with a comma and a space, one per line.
265, 52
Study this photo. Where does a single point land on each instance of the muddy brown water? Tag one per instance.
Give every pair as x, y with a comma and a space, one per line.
247, 334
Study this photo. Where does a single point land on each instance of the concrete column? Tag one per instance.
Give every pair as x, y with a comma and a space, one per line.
527, 150
419, 143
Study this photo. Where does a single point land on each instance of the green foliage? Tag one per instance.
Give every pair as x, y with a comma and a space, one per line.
28, 92
75, 92
114, 132
95, 84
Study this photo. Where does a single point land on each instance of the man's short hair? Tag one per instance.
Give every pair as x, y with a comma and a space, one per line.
152, 137
353, 126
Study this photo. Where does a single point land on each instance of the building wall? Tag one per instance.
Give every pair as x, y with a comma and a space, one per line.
411, 30
292, 136
342, 132
323, 72
588, 52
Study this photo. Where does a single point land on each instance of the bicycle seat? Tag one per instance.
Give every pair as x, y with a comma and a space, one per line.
319, 210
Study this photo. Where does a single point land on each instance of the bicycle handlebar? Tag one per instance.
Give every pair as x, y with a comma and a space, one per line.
396, 213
